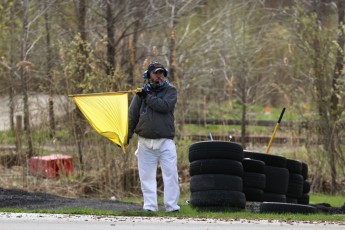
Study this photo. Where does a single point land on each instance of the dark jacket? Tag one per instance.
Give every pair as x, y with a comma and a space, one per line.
153, 117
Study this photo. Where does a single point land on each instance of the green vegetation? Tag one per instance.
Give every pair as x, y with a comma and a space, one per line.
334, 201
255, 112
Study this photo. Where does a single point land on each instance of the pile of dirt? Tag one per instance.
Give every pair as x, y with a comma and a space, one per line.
16, 198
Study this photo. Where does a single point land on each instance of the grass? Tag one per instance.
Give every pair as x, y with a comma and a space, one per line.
254, 112
188, 211
228, 129
334, 201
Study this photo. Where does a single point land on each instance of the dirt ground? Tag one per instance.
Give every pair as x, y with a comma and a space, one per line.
15, 198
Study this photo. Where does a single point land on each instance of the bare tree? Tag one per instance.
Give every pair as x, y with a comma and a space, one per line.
25, 67
324, 67
81, 72
10, 66
241, 59
49, 73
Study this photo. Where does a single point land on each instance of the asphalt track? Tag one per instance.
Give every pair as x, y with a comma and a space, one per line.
28, 221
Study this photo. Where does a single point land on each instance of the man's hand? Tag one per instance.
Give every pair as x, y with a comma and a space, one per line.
143, 93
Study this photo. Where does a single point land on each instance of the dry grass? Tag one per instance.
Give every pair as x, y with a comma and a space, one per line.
107, 172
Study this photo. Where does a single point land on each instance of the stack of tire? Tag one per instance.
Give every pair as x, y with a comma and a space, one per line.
304, 199
276, 173
295, 184
254, 179
216, 172
284, 184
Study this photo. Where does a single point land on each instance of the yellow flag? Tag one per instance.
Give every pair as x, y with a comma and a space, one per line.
107, 113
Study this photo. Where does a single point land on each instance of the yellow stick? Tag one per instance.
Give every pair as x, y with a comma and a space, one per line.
88, 94
275, 130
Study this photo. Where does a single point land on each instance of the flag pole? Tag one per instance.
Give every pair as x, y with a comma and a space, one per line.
275, 130
106, 93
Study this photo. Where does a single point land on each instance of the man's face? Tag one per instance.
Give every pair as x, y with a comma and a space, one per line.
157, 78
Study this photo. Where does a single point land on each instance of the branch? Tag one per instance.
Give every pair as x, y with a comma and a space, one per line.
9, 68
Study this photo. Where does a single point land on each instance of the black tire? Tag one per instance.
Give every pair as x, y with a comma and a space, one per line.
306, 186
216, 208
274, 197
207, 182
295, 186
269, 159
304, 199
294, 166
216, 166
291, 200
254, 180
215, 150
221, 198
277, 180
304, 171
252, 165
253, 194
276, 207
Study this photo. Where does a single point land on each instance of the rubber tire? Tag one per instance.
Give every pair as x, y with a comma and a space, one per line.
253, 194
274, 197
295, 186
252, 165
306, 186
215, 150
304, 171
254, 180
269, 159
304, 199
207, 182
216, 166
291, 200
221, 198
276, 207
294, 166
277, 180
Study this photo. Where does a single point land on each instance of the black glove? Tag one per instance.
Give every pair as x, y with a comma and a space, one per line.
143, 93
129, 137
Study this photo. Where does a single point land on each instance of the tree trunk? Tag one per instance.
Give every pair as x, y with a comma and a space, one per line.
11, 73
79, 125
172, 47
132, 46
11, 103
50, 76
335, 107
111, 40
244, 112
25, 67
172, 55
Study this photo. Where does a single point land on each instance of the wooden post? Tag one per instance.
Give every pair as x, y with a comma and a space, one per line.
19, 134
19, 151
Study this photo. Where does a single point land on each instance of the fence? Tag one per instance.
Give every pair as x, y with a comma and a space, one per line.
296, 126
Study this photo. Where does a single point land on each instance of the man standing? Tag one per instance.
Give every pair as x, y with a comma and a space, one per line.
151, 117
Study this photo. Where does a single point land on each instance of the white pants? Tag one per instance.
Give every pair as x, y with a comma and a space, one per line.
149, 153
